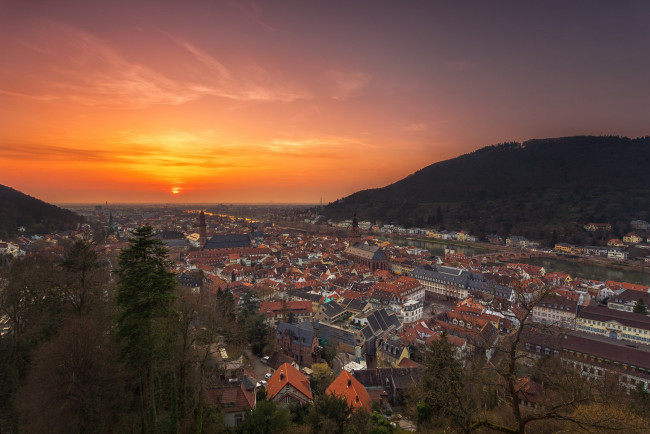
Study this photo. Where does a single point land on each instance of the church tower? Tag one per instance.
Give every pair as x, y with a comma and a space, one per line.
202, 228
111, 224
355, 234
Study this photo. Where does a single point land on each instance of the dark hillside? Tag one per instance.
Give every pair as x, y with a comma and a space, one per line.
533, 189
38, 217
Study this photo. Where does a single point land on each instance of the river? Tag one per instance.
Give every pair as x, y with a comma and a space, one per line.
587, 271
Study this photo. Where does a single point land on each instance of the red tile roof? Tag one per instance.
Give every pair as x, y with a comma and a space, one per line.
287, 374
348, 387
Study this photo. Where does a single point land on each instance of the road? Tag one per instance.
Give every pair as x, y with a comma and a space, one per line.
256, 366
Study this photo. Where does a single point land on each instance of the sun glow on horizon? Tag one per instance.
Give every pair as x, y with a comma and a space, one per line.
176, 190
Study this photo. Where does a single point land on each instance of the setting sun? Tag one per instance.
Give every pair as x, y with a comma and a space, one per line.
176, 190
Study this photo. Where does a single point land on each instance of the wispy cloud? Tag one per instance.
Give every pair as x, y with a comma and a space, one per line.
83, 68
346, 84
314, 146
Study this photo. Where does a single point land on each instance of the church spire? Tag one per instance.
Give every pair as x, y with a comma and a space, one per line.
355, 234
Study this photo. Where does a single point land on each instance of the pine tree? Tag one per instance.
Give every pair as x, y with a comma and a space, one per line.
145, 296
640, 307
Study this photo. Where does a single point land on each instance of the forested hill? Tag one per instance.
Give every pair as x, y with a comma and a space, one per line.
533, 189
18, 209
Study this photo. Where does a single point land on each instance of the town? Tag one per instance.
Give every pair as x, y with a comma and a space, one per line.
353, 315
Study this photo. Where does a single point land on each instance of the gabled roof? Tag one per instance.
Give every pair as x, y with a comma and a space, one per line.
288, 375
348, 387
302, 333
227, 241
231, 399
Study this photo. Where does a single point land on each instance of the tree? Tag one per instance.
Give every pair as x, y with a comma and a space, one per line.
74, 384
85, 276
144, 297
321, 377
442, 398
266, 417
328, 413
640, 307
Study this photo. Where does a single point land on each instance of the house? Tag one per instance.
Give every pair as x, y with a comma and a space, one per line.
594, 227
234, 401
349, 388
563, 247
330, 312
411, 312
556, 310
632, 238
276, 311
288, 385
517, 241
389, 384
391, 351
626, 300
299, 342
619, 254
595, 251
615, 242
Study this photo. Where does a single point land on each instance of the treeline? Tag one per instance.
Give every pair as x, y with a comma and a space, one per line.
536, 189
36, 216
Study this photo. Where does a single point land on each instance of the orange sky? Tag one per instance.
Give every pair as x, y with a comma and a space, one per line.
224, 101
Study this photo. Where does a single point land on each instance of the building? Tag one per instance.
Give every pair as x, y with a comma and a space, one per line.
615, 324
299, 342
202, 228
454, 283
632, 238
517, 241
594, 227
349, 388
556, 310
281, 311
411, 312
619, 254
330, 312
594, 357
227, 241
288, 385
371, 256
627, 299
233, 401
391, 351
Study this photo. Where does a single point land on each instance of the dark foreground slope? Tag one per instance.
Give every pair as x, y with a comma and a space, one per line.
539, 188
18, 209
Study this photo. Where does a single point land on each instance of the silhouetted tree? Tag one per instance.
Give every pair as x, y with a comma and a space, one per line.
144, 297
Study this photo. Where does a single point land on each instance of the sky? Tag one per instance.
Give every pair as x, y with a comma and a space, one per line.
211, 101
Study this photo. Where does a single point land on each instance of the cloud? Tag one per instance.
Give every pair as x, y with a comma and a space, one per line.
314, 146
346, 84
417, 127
82, 68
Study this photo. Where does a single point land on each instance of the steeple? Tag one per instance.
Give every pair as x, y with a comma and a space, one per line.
111, 224
202, 228
355, 234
